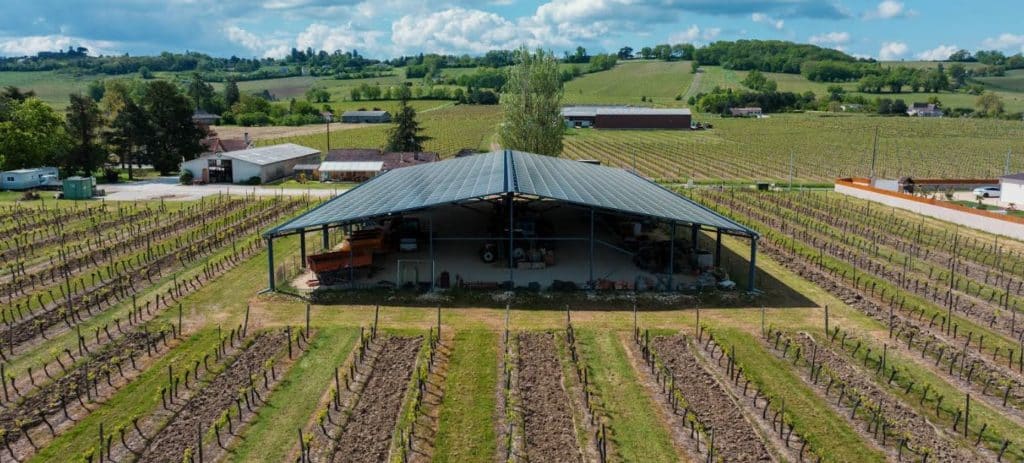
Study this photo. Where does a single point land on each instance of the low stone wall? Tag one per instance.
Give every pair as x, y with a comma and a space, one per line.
991, 222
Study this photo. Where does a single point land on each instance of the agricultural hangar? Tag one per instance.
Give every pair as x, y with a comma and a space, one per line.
267, 163
361, 116
510, 218
625, 117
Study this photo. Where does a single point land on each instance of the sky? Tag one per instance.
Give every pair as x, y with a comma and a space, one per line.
887, 30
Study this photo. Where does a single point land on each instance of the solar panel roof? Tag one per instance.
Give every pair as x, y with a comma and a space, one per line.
502, 172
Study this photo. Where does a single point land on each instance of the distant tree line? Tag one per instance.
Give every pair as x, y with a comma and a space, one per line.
762, 92
431, 64
765, 55
989, 57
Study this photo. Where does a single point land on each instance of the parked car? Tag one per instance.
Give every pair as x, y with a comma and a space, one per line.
987, 192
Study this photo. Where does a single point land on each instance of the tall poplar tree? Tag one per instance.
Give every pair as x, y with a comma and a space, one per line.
531, 102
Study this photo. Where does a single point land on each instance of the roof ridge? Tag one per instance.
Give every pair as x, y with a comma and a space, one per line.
513, 183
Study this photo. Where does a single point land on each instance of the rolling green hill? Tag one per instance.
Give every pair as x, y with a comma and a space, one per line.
1010, 88
51, 87
627, 82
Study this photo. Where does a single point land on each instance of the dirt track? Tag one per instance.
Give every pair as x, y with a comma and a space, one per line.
266, 133
549, 432
735, 438
367, 436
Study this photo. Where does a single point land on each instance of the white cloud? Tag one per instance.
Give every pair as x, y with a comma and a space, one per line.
694, 34
1005, 41
892, 50
889, 9
283, 4
243, 37
763, 18
266, 47
30, 45
318, 36
458, 29
830, 38
939, 53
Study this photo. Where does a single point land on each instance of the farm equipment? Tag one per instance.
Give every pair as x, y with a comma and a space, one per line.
371, 240
356, 253
331, 267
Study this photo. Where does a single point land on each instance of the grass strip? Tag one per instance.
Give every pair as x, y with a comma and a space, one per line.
271, 434
466, 427
820, 425
637, 433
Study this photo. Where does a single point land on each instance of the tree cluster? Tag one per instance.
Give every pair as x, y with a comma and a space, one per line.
895, 79
134, 123
765, 55
666, 52
757, 81
994, 58
719, 101
491, 59
77, 59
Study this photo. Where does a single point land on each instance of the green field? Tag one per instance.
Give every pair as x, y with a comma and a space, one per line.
1013, 81
1010, 88
451, 129
51, 87
823, 147
659, 81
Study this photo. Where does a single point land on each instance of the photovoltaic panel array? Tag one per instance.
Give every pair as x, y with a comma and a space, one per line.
501, 172
408, 189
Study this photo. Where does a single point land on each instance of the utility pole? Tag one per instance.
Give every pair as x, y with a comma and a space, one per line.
874, 154
328, 135
791, 170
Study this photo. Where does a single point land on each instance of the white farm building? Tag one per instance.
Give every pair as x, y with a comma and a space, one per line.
1012, 189
268, 163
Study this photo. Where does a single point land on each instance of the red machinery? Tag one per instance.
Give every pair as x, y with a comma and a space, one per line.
356, 253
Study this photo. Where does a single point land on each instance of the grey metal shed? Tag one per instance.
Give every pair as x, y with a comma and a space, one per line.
507, 176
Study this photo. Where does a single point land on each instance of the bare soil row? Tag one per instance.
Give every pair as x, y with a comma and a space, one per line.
222, 393
367, 435
734, 437
547, 415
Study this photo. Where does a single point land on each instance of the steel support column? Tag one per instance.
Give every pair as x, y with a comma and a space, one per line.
327, 238
672, 257
302, 249
351, 257
270, 265
510, 199
430, 245
591, 281
718, 248
694, 230
753, 265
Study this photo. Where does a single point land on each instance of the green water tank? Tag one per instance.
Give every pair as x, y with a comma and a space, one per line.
77, 188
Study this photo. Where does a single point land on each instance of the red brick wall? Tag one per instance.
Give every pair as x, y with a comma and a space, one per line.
637, 121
